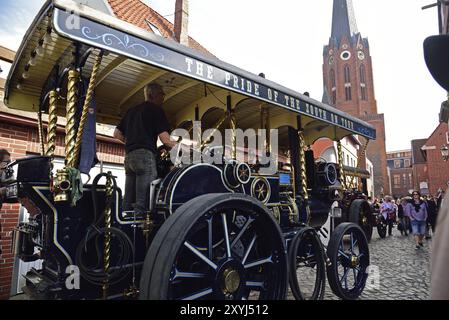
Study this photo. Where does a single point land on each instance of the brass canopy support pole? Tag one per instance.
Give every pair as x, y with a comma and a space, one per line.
265, 124
233, 125
359, 161
302, 159
40, 130
340, 164
87, 101
72, 99
107, 234
52, 124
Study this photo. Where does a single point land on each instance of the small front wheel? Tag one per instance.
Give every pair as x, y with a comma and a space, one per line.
382, 227
349, 254
307, 266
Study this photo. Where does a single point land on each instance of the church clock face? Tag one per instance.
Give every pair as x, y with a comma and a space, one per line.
361, 55
345, 55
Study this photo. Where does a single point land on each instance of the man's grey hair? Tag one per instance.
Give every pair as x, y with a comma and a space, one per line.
151, 89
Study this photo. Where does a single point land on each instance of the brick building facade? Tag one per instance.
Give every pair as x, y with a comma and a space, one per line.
401, 172
349, 83
438, 169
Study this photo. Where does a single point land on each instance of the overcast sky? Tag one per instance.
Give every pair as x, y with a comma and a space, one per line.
285, 39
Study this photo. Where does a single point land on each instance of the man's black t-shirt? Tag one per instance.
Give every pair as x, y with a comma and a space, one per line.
141, 126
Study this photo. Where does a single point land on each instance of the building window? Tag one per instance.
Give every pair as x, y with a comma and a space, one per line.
362, 74
404, 179
406, 163
334, 96
332, 76
348, 93
397, 164
363, 92
410, 180
347, 74
397, 180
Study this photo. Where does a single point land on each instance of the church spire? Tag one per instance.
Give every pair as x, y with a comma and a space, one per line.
343, 20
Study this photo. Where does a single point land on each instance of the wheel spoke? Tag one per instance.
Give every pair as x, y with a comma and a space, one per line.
242, 231
355, 275
188, 275
259, 262
198, 294
345, 277
200, 255
249, 249
226, 235
343, 254
209, 241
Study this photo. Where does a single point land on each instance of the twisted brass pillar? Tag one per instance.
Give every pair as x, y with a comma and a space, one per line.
107, 234
302, 159
52, 124
341, 164
84, 113
265, 124
70, 137
40, 131
234, 135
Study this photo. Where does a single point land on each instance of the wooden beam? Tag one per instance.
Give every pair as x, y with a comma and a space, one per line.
7, 54
188, 85
114, 64
140, 86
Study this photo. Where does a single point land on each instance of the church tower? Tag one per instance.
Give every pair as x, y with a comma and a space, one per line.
349, 84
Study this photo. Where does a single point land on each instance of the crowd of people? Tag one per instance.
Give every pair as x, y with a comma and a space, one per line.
415, 214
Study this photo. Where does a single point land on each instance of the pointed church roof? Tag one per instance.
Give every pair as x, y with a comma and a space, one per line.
343, 20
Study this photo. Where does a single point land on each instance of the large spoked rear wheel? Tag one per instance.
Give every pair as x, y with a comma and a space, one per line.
217, 247
307, 266
349, 254
360, 214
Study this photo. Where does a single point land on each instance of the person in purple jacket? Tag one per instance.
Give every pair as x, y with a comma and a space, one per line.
417, 212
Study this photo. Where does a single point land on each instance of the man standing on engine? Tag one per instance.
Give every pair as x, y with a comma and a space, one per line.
139, 130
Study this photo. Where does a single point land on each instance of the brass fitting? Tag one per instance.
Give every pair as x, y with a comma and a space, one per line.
62, 186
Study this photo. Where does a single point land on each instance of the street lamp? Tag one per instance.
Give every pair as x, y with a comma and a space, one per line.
445, 153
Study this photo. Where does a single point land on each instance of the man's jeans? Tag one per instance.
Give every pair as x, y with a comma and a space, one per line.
140, 169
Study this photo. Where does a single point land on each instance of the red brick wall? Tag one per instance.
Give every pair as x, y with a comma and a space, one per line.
420, 174
20, 140
403, 188
438, 169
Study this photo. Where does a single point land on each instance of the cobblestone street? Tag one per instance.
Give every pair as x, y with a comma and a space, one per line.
404, 272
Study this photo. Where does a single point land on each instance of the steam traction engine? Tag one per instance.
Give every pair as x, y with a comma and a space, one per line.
213, 231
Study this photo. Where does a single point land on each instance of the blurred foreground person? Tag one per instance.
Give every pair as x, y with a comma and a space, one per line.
440, 255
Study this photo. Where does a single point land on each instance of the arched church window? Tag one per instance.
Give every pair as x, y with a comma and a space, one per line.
332, 77
347, 74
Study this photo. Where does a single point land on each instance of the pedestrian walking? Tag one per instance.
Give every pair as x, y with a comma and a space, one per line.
403, 225
432, 216
387, 209
417, 211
